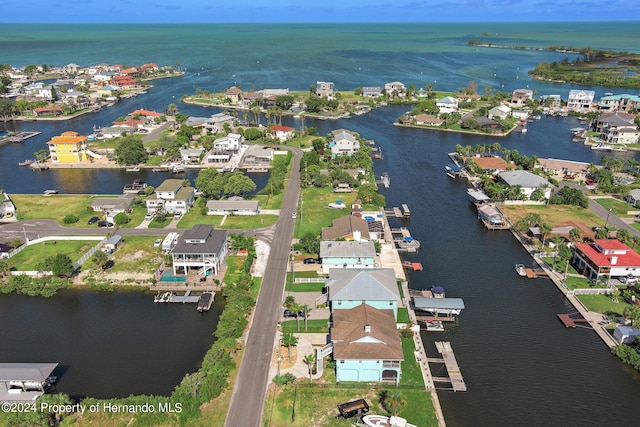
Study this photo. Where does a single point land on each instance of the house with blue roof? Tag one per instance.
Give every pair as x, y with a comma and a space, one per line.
347, 288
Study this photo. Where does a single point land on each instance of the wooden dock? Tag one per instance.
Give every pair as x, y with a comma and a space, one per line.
415, 266
534, 273
450, 362
571, 322
204, 301
17, 138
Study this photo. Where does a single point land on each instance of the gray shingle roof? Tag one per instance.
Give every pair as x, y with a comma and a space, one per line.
523, 178
212, 240
347, 249
26, 371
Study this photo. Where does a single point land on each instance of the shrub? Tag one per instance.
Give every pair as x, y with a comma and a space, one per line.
70, 219
284, 379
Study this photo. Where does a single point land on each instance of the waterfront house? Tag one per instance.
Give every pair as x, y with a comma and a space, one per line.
608, 120
325, 89
501, 112
112, 206
344, 144
348, 227
489, 125
606, 258
234, 94
519, 97
191, 155
551, 102
229, 144
528, 182
563, 167
623, 102
202, 248
489, 214
580, 100
428, 120
172, 197
68, 148
217, 121
493, 164
48, 111
349, 288
394, 89
147, 114
626, 334
371, 91
258, 156
366, 345
233, 207
347, 255
447, 104
282, 133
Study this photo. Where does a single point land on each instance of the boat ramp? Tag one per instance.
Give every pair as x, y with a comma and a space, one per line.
204, 301
450, 362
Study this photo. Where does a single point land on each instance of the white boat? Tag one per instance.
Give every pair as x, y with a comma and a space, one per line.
434, 325
133, 169
520, 270
601, 147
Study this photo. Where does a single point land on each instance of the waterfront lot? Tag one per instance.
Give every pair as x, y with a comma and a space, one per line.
194, 217
55, 207
136, 255
556, 215
29, 258
314, 210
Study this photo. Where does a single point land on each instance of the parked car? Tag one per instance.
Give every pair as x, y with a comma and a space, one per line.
289, 313
103, 224
590, 182
93, 220
157, 243
628, 280
311, 261
177, 216
293, 215
148, 217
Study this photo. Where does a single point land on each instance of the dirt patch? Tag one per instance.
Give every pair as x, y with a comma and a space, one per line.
285, 362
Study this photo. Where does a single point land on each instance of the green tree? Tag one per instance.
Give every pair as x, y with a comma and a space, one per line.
310, 360
62, 265
99, 258
210, 182
238, 183
545, 230
392, 401
121, 218
130, 151
70, 219
289, 340
60, 401
575, 234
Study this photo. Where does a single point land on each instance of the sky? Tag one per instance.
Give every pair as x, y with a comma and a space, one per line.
326, 11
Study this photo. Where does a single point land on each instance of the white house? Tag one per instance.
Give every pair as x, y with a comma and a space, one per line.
519, 97
233, 207
580, 100
344, 144
501, 112
283, 133
217, 121
230, 143
606, 257
626, 334
397, 87
447, 104
325, 89
171, 196
633, 197
528, 182
202, 248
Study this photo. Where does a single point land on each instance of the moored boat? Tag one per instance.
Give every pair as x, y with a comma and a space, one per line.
521, 270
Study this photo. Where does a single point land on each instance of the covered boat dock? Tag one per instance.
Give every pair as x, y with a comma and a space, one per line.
25, 382
437, 308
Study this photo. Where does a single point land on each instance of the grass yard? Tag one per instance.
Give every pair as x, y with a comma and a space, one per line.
316, 406
55, 207
194, 217
603, 304
313, 326
403, 315
136, 255
618, 207
31, 256
554, 214
314, 213
577, 282
234, 268
411, 372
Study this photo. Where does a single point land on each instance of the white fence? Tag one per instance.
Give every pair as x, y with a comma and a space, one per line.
309, 280
591, 291
76, 265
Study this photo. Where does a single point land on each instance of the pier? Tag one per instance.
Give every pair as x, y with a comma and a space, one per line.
450, 362
384, 180
572, 322
204, 301
17, 138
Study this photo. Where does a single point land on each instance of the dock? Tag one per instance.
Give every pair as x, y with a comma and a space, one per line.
572, 322
204, 301
450, 362
405, 211
18, 137
384, 180
535, 273
415, 266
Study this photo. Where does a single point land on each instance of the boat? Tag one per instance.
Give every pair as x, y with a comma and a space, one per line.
521, 270
25, 163
601, 147
177, 169
49, 192
133, 169
408, 243
135, 187
434, 325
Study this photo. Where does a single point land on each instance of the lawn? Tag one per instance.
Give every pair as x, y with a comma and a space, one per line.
313, 326
312, 405
55, 207
234, 268
314, 213
194, 217
618, 207
403, 315
603, 304
411, 372
577, 282
31, 256
136, 255
554, 214
305, 287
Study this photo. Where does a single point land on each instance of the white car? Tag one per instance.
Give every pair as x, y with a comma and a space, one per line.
157, 243
293, 215
148, 217
628, 280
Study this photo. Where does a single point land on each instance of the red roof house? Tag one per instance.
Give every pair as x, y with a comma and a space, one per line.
606, 257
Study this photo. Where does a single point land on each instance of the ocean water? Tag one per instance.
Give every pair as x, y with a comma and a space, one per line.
257, 56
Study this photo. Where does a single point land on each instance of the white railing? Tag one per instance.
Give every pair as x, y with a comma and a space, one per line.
591, 291
309, 280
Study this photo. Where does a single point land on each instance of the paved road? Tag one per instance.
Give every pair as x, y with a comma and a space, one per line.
248, 397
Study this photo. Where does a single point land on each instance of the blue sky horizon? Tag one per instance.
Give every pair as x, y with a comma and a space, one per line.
317, 11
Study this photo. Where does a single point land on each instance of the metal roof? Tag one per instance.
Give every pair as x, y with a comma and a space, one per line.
26, 371
424, 303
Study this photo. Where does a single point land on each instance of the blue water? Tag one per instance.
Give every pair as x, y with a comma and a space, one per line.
521, 365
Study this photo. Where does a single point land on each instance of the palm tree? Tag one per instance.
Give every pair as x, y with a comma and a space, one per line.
556, 240
310, 360
615, 295
392, 401
575, 234
545, 230
56, 400
306, 310
289, 340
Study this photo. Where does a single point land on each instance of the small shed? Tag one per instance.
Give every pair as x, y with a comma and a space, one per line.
112, 244
625, 334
